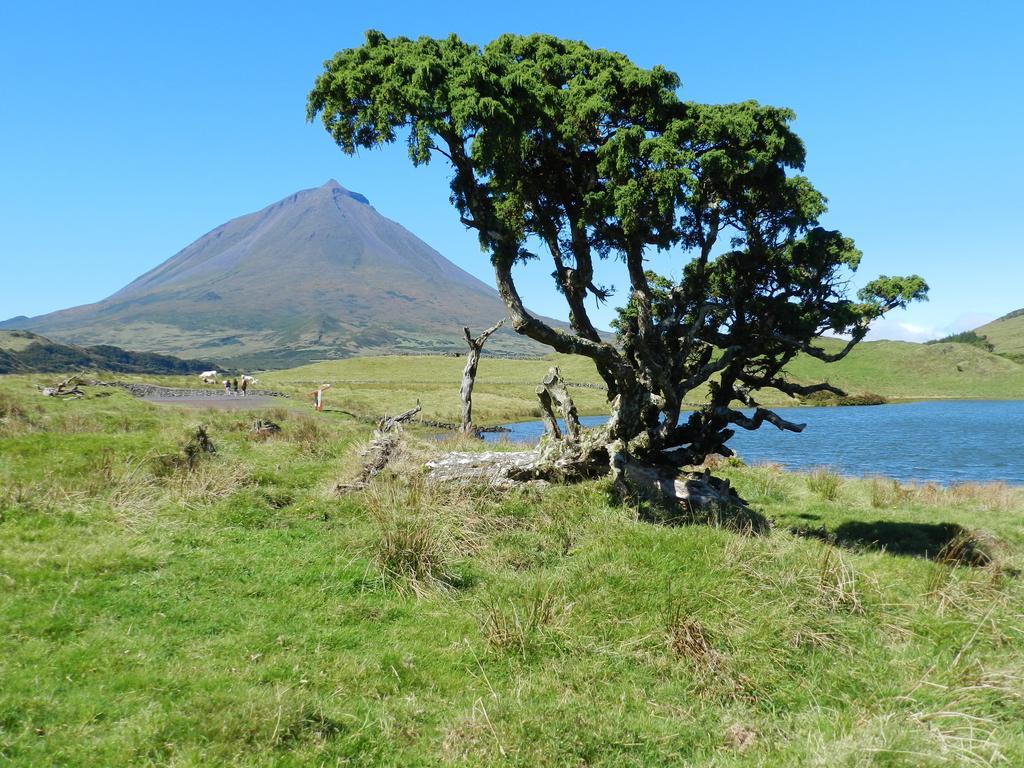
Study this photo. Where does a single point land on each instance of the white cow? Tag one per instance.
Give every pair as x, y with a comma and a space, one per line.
208, 377
250, 379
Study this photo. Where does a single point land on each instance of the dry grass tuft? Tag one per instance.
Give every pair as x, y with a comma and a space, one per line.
769, 484
521, 628
825, 483
688, 639
209, 482
837, 583
412, 548
886, 492
973, 548
994, 497
309, 435
740, 737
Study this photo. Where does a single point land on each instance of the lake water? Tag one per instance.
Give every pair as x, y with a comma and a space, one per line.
946, 441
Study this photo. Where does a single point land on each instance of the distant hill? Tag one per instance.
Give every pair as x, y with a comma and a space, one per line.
1006, 334
317, 275
902, 369
26, 352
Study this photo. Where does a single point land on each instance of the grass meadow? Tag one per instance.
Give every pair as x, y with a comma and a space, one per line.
235, 610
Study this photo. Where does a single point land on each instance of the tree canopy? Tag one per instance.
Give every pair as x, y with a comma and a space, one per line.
579, 150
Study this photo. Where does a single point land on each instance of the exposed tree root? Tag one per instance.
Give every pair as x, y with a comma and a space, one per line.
580, 454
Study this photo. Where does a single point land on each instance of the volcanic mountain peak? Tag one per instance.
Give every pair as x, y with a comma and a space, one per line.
318, 274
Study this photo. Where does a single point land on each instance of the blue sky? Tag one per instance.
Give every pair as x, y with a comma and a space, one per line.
127, 131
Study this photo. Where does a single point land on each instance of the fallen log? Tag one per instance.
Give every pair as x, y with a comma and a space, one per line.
382, 448
496, 469
386, 423
67, 389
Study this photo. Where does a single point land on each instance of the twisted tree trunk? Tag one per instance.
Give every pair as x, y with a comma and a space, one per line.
469, 374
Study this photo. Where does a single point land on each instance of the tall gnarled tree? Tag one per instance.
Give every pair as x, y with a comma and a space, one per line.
577, 155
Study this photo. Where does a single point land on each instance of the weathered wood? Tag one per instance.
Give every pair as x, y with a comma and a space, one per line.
476, 345
699, 496
497, 469
66, 389
382, 448
552, 391
389, 423
547, 413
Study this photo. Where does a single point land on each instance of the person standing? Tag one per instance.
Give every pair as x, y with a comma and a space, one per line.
227, 387
245, 385
234, 386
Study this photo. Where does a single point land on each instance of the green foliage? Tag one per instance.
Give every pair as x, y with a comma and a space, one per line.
582, 152
966, 337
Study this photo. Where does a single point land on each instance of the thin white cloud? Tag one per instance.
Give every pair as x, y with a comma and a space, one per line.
897, 330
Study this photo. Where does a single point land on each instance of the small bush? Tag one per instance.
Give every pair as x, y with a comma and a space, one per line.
830, 399
825, 483
967, 337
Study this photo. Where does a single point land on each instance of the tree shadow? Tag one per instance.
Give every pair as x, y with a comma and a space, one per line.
736, 517
946, 542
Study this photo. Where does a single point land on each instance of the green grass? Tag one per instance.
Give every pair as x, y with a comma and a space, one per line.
243, 614
902, 370
505, 388
1006, 334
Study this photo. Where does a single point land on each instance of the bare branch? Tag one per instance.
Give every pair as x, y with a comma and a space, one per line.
760, 416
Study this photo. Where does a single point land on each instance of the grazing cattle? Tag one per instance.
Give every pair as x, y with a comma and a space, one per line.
208, 377
251, 379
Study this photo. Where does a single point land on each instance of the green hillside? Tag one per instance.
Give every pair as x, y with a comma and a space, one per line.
1006, 334
27, 352
900, 369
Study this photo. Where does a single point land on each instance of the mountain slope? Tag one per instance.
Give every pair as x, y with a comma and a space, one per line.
1006, 334
25, 352
317, 275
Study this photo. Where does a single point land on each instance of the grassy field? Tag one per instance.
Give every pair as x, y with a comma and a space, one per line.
505, 388
240, 612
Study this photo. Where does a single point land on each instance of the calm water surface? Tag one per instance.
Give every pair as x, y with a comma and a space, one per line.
946, 441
